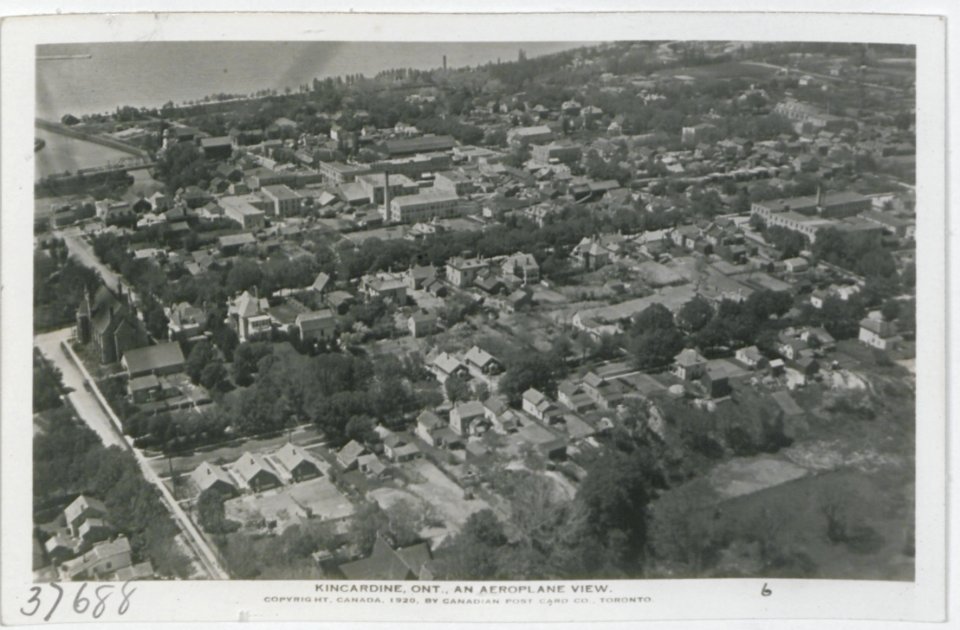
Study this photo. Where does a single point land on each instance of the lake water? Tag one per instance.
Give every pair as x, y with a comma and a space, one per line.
148, 74
63, 153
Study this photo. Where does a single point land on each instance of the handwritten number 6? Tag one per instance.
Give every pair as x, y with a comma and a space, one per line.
766, 592
80, 600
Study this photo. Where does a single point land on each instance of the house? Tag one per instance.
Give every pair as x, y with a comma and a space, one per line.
185, 321
535, 403
808, 366
422, 323
249, 317
217, 147
385, 563
751, 357
400, 450
689, 365
818, 337
391, 289
502, 418
297, 462
429, 426
522, 266
163, 358
590, 254
462, 272
792, 348
445, 365
321, 283
490, 282
716, 382
144, 389
481, 360
796, 265
340, 301
777, 367
605, 393
102, 561
418, 277
60, 547
371, 466
571, 395
316, 325
468, 418
877, 333
82, 508
256, 472
348, 455
209, 476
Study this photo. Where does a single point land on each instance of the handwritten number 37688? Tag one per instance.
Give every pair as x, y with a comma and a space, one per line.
96, 603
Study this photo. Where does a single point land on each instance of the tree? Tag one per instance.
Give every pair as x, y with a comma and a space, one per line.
214, 375
890, 309
201, 355
532, 369
360, 428
654, 317
695, 314
211, 514
615, 494
457, 389
655, 348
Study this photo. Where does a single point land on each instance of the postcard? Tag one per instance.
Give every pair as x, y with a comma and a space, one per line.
491, 317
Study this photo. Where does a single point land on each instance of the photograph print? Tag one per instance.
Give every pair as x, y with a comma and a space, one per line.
474, 311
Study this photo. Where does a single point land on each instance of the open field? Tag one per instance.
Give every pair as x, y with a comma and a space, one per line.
727, 70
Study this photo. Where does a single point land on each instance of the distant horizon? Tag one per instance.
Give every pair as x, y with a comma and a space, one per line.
149, 74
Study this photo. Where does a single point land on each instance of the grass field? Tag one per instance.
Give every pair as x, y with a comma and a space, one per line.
726, 70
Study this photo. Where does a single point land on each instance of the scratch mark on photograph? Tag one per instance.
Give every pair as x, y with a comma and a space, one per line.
474, 311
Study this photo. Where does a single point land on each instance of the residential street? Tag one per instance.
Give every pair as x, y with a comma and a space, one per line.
90, 411
82, 399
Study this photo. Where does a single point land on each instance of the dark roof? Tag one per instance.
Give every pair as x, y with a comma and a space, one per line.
403, 146
151, 358
386, 564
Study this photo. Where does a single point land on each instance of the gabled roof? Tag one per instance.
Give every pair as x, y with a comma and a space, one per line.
386, 564
251, 464
688, 357
534, 396
447, 362
321, 282
350, 452
478, 356
430, 420
207, 474
469, 409
82, 504
291, 456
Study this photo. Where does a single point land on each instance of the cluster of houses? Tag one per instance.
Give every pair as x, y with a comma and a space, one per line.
257, 472
88, 547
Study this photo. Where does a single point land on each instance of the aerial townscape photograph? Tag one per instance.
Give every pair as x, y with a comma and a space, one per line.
474, 311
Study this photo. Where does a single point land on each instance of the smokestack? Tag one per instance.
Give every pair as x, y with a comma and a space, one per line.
444, 62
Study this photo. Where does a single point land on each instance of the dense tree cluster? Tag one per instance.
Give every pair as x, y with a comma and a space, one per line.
69, 459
